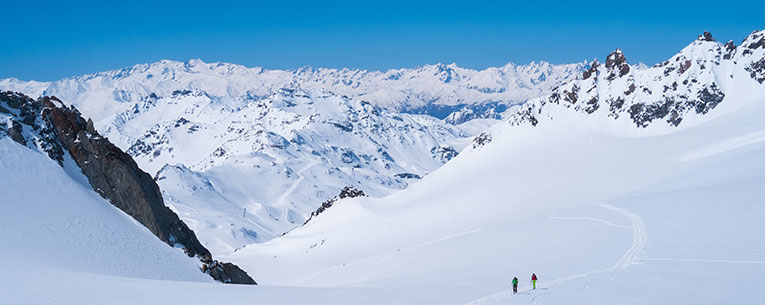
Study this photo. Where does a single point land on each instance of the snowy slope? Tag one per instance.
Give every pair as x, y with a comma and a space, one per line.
582, 201
604, 210
601, 220
45, 127
278, 158
51, 217
681, 90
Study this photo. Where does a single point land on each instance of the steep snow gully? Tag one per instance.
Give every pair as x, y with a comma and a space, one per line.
633, 255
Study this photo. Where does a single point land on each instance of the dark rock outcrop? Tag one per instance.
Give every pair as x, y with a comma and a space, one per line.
116, 176
346, 192
593, 70
689, 81
443, 153
23, 112
227, 273
706, 36
616, 64
111, 172
407, 176
730, 49
485, 138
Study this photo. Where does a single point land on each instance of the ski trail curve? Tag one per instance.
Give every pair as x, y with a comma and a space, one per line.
630, 257
639, 238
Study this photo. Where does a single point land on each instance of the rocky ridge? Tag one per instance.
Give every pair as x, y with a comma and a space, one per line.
691, 83
61, 132
346, 192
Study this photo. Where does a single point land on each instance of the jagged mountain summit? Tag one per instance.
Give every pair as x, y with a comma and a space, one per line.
47, 126
679, 90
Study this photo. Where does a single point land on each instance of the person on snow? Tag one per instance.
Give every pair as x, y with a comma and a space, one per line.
515, 285
534, 280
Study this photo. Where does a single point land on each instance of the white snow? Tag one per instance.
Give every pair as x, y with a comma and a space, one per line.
397, 89
601, 219
51, 218
602, 211
279, 143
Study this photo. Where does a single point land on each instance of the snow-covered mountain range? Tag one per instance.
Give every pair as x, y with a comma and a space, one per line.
242, 171
438, 90
679, 90
245, 154
626, 185
613, 202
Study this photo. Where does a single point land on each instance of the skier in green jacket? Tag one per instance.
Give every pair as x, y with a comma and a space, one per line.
515, 285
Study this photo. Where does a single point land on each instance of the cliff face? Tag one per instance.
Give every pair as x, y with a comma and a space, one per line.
111, 172
115, 176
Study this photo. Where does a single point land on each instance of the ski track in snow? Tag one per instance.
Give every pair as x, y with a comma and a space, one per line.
630, 257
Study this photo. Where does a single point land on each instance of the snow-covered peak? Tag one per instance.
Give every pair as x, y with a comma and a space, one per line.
436, 90
689, 85
706, 36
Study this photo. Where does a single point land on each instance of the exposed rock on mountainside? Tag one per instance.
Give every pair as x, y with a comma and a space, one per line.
482, 139
690, 83
227, 273
117, 177
59, 130
243, 171
347, 192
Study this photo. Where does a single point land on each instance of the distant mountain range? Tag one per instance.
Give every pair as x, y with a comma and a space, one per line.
438, 90
259, 150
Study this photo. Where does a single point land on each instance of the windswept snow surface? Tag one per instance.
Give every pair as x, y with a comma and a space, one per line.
50, 218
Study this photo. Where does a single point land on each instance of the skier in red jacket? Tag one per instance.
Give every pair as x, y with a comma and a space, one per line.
534, 280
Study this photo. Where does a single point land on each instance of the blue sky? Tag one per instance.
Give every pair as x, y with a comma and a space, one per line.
48, 41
